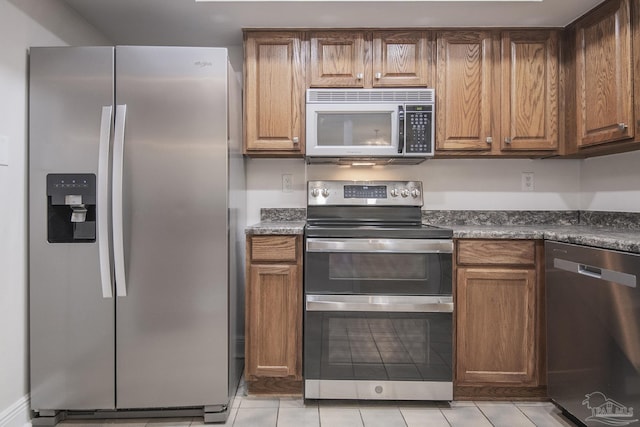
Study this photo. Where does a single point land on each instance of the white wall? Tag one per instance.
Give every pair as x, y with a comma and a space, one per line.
453, 184
611, 183
264, 185
23, 23
606, 183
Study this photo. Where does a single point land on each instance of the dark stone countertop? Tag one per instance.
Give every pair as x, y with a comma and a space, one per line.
616, 238
609, 230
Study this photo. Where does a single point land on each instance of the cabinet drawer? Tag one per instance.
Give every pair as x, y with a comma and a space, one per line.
273, 248
496, 252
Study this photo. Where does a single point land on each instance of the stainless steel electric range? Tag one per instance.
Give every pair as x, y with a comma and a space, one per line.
378, 294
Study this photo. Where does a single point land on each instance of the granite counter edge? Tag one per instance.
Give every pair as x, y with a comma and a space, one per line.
606, 238
276, 227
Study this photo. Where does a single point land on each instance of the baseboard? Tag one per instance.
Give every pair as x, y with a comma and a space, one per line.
17, 415
275, 386
510, 393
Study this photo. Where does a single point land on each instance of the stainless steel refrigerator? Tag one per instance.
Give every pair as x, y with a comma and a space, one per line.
136, 250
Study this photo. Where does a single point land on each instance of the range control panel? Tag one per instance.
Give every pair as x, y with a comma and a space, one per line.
364, 193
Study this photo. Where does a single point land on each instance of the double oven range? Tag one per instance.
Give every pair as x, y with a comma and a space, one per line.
378, 294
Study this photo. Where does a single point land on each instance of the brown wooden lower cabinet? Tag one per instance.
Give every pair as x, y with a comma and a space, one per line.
499, 319
273, 352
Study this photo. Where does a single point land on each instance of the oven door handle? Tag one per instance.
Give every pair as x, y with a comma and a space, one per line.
390, 303
428, 246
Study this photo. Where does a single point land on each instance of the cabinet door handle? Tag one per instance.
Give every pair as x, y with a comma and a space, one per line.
489, 140
359, 76
378, 75
296, 140
622, 127
507, 140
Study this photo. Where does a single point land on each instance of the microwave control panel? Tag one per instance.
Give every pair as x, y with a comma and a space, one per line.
418, 128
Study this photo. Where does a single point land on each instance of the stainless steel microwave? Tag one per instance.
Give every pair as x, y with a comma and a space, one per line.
373, 124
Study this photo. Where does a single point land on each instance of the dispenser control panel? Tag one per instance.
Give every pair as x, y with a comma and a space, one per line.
71, 208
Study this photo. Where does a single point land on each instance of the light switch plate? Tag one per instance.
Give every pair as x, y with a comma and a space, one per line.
4, 150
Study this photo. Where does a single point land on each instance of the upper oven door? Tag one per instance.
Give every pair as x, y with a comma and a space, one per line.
352, 130
378, 266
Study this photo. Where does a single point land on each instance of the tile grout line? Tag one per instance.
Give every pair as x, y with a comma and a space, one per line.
485, 415
445, 417
403, 418
525, 415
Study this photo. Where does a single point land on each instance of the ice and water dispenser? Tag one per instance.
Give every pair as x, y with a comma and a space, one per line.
71, 208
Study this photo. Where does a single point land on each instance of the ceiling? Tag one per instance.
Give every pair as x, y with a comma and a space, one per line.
220, 23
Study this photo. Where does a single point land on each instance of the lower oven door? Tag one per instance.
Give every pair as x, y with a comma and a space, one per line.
378, 347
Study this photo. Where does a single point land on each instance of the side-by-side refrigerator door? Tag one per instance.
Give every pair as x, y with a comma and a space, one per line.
170, 227
71, 299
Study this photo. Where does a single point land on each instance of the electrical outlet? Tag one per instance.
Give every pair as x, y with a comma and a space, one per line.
528, 183
287, 183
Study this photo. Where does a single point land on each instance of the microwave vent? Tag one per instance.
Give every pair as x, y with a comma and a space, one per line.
370, 96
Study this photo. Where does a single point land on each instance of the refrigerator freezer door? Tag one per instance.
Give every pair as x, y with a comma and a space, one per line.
71, 322
172, 335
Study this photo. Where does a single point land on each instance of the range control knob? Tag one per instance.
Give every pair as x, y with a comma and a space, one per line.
415, 193
404, 193
394, 192
325, 192
315, 192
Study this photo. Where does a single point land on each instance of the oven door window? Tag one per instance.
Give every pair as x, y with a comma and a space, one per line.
378, 273
378, 346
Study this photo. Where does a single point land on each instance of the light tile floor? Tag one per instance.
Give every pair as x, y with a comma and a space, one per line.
251, 411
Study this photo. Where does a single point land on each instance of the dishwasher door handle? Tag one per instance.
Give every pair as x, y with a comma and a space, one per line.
605, 274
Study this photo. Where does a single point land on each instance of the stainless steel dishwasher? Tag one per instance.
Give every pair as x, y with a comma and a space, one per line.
593, 333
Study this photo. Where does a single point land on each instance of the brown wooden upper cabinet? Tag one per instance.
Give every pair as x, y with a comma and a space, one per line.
529, 90
274, 94
466, 102
366, 59
604, 75
497, 93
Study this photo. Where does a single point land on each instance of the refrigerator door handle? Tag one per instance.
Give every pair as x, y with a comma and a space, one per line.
103, 201
116, 203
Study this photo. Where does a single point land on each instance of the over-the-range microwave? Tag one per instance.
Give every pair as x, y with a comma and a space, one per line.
370, 125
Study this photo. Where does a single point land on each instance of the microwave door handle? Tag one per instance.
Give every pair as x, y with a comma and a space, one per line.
400, 129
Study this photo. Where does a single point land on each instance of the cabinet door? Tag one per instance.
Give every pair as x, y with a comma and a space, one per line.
402, 58
604, 76
529, 90
274, 94
274, 318
496, 313
338, 59
464, 91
